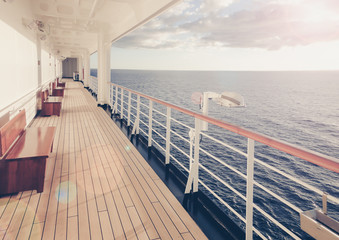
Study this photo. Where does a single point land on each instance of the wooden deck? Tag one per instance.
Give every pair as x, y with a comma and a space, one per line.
97, 185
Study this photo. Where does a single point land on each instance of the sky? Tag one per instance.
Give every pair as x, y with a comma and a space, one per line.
249, 35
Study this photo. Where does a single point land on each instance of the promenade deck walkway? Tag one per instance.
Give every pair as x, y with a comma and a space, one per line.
97, 185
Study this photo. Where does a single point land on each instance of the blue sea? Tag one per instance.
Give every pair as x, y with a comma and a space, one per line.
298, 107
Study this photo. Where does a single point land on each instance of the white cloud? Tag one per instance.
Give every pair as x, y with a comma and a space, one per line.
209, 7
266, 24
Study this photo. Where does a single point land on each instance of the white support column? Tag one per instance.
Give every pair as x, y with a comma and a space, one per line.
103, 69
59, 68
107, 69
80, 68
38, 48
249, 190
86, 68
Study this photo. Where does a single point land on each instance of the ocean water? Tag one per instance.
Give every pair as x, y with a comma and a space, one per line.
301, 108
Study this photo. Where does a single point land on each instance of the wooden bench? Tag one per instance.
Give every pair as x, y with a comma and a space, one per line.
4, 119
60, 84
50, 105
23, 154
57, 91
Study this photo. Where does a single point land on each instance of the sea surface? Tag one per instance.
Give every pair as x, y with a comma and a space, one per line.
299, 107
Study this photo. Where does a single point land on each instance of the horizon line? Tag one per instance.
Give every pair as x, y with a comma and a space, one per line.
206, 70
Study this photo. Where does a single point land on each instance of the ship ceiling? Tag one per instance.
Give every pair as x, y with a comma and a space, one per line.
75, 24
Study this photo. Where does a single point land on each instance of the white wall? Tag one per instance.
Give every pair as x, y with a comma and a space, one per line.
58, 68
18, 64
19, 71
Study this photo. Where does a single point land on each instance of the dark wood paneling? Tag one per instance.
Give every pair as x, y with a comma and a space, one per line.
22, 174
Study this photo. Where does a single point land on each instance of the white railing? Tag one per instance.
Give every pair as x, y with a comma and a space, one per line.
27, 101
93, 84
154, 119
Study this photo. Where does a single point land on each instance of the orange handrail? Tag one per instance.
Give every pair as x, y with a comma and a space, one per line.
308, 155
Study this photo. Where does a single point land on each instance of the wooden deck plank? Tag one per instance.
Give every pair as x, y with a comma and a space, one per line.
187, 236
118, 231
8, 213
50, 220
121, 208
137, 224
42, 208
62, 196
160, 227
93, 216
72, 228
72, 208
167, 221
36, 232
107, 189
19, 213
3, 204
140, 208
82, 207
106, 225
27, 224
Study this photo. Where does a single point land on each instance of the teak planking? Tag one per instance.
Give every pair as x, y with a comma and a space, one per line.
112, 192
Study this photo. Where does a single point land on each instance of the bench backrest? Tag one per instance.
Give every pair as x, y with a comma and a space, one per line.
44, 95
4, 119
11, 130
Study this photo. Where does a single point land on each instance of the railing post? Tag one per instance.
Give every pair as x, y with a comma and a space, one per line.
249, 189
115, 108
129, 109
135, 129
122, 104
110, 95
168, 135
193, 177
191, 135
150, 120
90, 82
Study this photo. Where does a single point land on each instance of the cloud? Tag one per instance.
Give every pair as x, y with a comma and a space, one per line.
267, 24
209, 7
